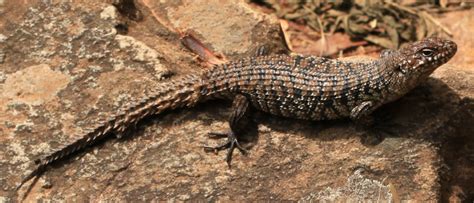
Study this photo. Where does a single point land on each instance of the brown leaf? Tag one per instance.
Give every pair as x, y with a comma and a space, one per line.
394, 38
422, 29
332, 44
381, 41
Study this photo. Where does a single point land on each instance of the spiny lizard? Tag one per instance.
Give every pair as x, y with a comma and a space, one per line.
302, 87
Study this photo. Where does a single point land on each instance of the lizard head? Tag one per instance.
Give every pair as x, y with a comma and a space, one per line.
413, 63
423, 57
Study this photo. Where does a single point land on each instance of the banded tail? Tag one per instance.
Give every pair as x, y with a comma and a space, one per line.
181, 92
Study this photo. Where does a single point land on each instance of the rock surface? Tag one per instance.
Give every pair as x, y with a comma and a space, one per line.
66, 66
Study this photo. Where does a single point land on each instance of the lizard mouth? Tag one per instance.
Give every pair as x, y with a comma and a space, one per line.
451, 49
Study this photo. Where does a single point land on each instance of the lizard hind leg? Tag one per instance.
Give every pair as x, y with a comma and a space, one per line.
240, 106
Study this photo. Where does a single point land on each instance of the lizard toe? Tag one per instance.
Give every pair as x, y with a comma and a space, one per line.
231, 144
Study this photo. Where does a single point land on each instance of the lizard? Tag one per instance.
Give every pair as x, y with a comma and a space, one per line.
294, 86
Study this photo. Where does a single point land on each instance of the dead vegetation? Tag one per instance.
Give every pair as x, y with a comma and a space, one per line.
318, 28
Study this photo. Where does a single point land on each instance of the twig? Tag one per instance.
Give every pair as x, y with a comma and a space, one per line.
321, 29
424, 14
437, 23
404, 8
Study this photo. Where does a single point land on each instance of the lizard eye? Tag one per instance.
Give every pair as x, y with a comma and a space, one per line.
427, 52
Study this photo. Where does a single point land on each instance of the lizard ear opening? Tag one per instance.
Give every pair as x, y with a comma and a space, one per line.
402, 69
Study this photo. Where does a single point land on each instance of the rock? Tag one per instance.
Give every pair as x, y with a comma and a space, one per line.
142, 53
109, 13
34, 85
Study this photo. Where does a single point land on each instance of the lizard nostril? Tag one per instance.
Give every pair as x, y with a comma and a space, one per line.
453, 46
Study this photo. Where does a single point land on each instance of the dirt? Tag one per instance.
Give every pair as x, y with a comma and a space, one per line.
68, 65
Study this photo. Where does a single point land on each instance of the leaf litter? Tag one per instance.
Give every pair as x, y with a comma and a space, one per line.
341, 27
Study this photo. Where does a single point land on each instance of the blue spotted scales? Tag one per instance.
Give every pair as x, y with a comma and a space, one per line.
302, 87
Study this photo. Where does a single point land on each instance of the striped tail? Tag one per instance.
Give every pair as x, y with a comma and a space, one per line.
181, 92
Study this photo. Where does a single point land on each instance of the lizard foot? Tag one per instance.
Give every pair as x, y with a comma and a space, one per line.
231, 143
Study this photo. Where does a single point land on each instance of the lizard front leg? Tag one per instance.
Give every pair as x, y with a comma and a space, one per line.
361, 115
240, 106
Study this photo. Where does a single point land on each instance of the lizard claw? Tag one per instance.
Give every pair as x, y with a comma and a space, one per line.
231, 143
217, 135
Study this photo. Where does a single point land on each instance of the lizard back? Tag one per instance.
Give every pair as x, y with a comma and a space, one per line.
301, 87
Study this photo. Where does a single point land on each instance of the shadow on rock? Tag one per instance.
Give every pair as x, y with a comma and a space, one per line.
457, 151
